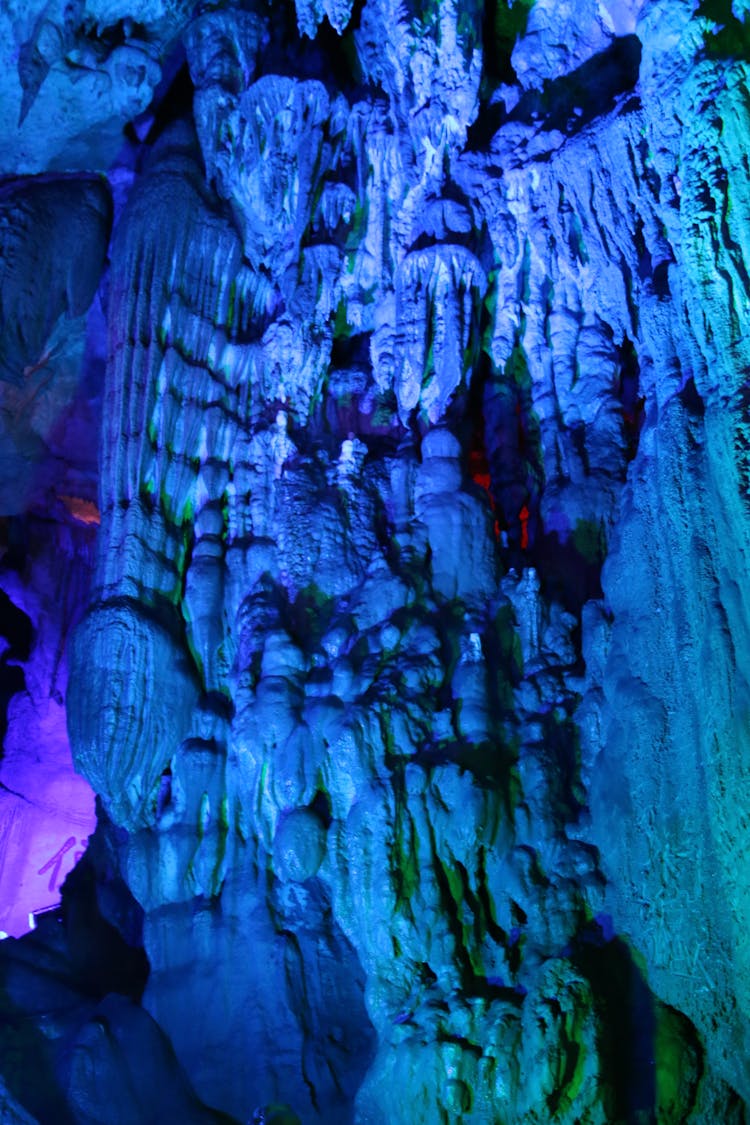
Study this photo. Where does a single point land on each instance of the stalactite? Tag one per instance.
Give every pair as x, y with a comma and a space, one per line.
409, 672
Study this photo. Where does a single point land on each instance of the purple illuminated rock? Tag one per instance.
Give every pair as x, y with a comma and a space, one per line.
46, 809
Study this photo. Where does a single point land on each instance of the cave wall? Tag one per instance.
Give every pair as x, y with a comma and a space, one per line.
404, 603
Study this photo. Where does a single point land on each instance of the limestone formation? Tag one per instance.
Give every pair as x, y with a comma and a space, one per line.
409, 672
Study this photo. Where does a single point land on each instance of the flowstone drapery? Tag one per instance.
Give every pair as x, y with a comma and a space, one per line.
410, 679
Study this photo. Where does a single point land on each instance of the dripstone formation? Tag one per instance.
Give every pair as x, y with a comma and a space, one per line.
408, 662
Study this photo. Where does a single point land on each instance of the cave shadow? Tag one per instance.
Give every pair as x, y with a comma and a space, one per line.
18, 632
504, 24
570, 568
570, 103
64, 968
26, 1055
731, 39
628, 1025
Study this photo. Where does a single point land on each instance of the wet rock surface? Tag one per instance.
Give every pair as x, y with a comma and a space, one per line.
407, 661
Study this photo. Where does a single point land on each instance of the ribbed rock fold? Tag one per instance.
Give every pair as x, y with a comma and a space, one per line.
411, 680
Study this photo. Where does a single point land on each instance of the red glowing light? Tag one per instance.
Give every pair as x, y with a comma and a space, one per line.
523, 516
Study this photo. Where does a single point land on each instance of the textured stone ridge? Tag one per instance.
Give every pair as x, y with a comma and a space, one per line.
411, 674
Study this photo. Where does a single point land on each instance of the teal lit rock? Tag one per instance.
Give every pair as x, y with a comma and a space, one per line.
404, 610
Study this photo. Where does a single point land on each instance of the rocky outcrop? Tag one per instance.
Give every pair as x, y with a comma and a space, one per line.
53, 241
74, 74
410, 679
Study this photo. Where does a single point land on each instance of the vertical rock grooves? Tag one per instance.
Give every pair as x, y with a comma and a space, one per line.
411, 680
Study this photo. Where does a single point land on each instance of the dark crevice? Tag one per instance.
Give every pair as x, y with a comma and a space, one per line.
514, 454
18, 633
632, 403
172, 101
572, 102
503, 25
628, 1022
570, 566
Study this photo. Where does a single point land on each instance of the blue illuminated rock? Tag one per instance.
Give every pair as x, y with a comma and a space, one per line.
12, 1112
74, 73
411, 679
53, 244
